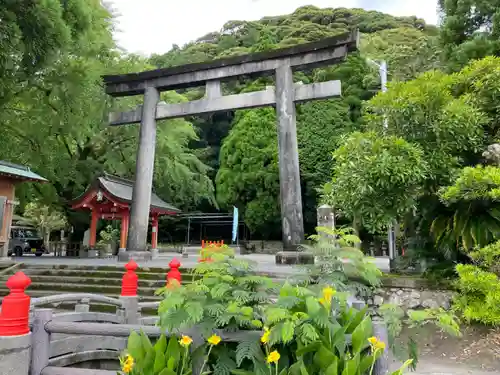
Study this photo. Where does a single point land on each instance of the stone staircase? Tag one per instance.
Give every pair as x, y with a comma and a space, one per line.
49, 280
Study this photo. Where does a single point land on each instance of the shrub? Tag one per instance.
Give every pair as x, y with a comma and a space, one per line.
339, 263
227, 295
478, 296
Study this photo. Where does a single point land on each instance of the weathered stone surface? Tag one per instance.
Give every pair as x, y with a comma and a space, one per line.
408, 298
323, 52
377, 300
138, 256
294, 257
292, 222
15, 354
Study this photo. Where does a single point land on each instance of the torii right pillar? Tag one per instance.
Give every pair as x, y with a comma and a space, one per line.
291, 197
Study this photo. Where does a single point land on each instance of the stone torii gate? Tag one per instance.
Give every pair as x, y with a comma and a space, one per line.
281, 63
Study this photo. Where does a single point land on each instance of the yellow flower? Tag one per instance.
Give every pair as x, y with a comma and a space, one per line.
214, 340
265, 336
273, 357
128, 364
376, 344
322, 301
328, 294
185, 341
127, 368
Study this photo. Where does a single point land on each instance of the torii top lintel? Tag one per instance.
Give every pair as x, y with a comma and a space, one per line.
113, 195
323, 52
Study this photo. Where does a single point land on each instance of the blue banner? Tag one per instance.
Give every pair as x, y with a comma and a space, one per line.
235, 223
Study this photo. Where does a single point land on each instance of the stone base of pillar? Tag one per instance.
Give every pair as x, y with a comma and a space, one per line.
155, 253
294, 257
15, 354
93, 253
138, 256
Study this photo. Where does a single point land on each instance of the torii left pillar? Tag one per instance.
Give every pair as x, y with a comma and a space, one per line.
143, 182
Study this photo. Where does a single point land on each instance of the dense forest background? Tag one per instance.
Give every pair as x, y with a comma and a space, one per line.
54, 115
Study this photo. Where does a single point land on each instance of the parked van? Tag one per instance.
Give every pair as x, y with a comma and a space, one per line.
25, 240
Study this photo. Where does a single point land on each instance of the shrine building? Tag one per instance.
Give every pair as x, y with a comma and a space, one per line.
110, 198
10, 176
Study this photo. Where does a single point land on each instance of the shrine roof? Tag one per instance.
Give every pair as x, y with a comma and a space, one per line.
19, 172
121, 189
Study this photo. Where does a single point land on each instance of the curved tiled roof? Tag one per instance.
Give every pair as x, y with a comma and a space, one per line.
19, 172
122, 189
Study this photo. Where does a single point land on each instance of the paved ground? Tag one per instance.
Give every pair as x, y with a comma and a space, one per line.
432, 369
264, 262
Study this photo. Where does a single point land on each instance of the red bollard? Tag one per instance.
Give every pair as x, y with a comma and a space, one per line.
174, 270
202, 244
130, 281
14, 318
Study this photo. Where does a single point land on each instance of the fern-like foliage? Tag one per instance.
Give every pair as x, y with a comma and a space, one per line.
225, 295
339, 263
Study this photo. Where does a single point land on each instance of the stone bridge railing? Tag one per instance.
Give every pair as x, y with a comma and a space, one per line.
40, 341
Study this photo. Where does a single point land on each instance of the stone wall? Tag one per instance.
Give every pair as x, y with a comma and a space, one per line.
411, 293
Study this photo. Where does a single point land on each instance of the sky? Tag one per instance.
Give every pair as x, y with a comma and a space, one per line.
153, 26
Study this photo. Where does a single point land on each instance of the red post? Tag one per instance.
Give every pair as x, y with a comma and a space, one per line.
14, 318
222, 243
93, 229
202, 244
174, 270
154, 232
130, 281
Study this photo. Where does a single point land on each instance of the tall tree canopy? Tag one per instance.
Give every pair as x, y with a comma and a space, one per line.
470, 30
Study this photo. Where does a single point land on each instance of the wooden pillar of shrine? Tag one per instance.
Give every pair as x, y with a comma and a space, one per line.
124, 231
93, 229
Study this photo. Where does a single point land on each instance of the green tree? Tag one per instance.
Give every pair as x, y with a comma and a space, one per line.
248, 176
425, 112
37, 34
470, 30
407, 51
375, 179
45, 218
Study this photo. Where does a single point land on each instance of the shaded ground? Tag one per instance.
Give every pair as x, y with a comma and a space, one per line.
476, 352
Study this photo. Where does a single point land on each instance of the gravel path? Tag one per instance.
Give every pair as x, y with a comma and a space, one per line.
430, 369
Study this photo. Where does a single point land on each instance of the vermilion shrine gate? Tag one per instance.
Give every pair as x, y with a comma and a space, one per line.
109, 198
279, 63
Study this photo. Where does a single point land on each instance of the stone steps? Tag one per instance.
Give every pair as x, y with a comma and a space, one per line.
49, 280
94, 281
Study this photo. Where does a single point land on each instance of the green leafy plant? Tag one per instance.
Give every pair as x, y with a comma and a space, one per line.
339, 263
473, 216
487, 257
478, 297
45, 218
225, 294
318, 333
376, 179
166, 357
109, 235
